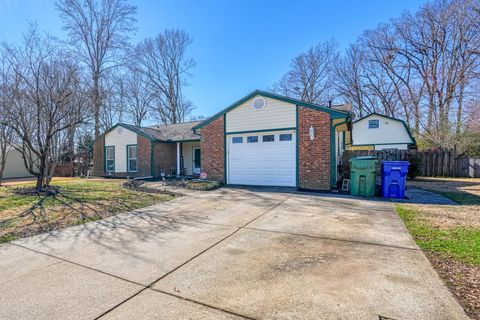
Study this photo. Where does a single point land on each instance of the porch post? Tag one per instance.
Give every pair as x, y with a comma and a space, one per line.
178, 159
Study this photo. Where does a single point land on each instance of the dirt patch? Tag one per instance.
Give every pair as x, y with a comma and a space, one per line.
446, 217
463, 281
468, 185
464, 191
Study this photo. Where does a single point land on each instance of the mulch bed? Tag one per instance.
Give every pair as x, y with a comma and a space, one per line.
462, 279
137, 185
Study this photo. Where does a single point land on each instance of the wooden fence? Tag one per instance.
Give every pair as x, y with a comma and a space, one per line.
428, 163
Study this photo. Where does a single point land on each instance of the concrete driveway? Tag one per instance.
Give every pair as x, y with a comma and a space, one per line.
228, 254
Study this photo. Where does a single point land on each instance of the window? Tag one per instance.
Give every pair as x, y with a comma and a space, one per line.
237, 140
286, 137
110, 159
132, 158
268, 138
373, 124
252, 139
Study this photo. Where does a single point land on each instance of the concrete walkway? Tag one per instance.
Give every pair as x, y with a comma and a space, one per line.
228, 254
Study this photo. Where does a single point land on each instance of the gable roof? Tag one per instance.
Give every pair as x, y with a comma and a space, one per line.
390, 118
177, 132
334, 113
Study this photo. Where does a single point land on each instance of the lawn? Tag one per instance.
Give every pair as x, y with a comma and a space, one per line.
78, 201
450, 235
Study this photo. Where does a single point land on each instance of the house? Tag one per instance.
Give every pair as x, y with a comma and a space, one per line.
131, 151
377, 132
262, 139
15, 166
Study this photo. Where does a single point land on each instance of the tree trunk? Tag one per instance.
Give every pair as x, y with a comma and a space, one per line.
96, 105
459, 110
39, 184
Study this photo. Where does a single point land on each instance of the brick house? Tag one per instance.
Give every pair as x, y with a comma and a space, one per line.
130, 151
262, 139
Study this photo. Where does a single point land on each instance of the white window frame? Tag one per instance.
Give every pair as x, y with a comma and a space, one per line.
377, 121
128, 157
109, 159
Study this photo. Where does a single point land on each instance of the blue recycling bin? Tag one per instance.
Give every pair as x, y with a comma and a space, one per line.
394, 176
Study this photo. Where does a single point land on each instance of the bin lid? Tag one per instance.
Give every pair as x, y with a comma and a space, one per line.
395, 163
364, 158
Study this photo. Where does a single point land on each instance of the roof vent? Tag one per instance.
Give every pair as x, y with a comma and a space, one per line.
259, 103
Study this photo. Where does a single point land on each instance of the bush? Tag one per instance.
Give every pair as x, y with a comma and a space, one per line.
203, 185
414, 169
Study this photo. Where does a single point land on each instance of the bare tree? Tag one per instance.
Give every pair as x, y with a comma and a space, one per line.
422, 67
137, 97
113, 98
310, 76
349, 77
99, 32
165, 66
47, 102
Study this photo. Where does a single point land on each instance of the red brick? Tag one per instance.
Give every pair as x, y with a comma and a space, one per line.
165, 158
212, 148
98, 156
313, 155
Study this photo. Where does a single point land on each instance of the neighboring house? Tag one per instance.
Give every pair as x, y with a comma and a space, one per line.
378, 132
131, 151
15, 166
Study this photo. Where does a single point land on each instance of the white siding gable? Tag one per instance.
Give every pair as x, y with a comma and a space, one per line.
389, 132
276, 114
120, 138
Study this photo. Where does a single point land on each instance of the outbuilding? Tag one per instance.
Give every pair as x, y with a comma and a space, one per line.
378, 132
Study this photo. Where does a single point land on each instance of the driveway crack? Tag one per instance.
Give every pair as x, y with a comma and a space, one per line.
150, 286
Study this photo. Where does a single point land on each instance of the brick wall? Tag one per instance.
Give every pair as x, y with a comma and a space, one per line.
98, 157
212, 149
143, 158
165, 155
313, 155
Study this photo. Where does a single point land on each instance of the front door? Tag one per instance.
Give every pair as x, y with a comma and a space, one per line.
196, 160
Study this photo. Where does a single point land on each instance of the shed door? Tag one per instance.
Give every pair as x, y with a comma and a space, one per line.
263, 158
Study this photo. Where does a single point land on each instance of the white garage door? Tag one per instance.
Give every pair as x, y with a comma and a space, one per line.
265, 159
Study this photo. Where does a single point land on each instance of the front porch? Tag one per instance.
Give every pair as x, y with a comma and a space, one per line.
188, 159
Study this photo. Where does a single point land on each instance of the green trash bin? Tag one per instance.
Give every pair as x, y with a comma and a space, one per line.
363, 176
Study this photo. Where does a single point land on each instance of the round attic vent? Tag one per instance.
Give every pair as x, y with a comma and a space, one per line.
259, 103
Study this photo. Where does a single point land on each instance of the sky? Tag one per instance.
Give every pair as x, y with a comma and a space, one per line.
239, 46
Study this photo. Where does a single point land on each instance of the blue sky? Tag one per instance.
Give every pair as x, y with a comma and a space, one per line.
239, 46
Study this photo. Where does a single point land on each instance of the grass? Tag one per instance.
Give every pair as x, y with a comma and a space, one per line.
450, 235
460, 243
78, 201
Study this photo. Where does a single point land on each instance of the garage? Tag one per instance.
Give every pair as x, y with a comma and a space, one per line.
265, 139
262, 158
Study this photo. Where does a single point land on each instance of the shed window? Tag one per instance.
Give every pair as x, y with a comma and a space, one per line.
252, 139
110, 159
268, 138
132, 158
286, 137
237, 140
373, 124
